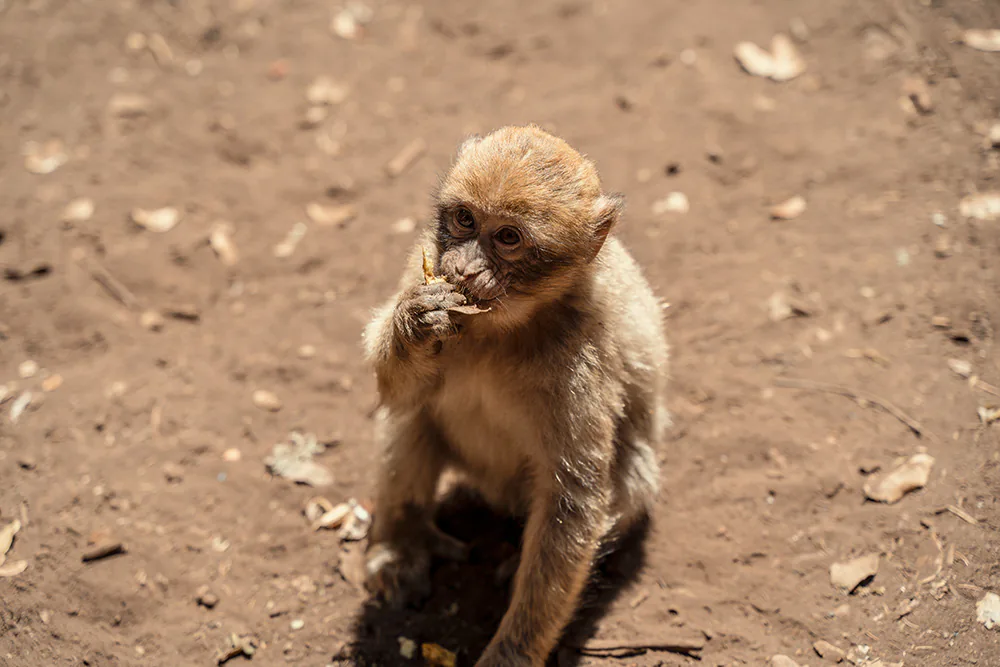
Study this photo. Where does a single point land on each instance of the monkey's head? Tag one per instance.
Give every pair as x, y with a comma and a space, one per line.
520, 218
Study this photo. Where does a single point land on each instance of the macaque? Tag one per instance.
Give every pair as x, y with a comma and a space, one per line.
526, 350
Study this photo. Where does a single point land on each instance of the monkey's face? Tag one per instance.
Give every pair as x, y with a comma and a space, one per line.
520, 217
503, 261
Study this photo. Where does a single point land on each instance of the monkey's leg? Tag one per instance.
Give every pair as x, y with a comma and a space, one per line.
561, 538
403, 535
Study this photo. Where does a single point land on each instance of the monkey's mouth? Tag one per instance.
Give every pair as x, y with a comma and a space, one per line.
482, 291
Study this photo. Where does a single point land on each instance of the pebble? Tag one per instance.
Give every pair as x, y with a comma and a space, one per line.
825, 649
232, 455
173, 473
266, 400
307, 352
939, 219
151, 320
850, 575
220, 239
80, 209
158, 220
206, 598
27, 462
988, 611
783, 661
129, 105
675, 202
52, 382
789, 209
297, 624
27, 369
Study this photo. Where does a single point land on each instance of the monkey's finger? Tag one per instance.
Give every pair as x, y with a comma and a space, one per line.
446, 546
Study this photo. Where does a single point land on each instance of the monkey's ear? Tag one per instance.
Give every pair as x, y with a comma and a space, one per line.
607, 209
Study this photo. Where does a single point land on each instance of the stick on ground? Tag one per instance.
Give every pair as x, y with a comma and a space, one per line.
857, 395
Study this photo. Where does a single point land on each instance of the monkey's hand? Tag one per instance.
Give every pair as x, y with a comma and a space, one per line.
422, 312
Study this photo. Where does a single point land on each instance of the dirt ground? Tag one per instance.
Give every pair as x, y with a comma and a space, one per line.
763, 483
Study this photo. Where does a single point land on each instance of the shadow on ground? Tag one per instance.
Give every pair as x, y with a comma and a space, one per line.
467, 603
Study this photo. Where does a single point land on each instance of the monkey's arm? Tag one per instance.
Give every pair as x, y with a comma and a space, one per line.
567, 519
400, 340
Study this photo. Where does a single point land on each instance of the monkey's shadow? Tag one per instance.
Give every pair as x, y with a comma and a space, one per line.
467, 603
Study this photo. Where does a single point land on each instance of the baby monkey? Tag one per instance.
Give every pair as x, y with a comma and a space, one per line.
536, 368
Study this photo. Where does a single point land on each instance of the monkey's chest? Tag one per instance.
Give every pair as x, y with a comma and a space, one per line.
490, 426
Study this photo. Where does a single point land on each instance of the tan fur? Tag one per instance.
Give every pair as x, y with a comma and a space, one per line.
551, 403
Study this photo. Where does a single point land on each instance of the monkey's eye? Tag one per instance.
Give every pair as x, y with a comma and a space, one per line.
465, 219
508, 237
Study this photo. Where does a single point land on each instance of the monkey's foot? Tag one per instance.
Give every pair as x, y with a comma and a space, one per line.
400, 578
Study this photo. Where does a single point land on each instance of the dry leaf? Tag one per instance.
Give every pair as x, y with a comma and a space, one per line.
44, 158
158, 220
266, 400
291, 241
18, 407
982, 40
675, 202
960, 367
294, 461
789, 209
317, 507
13, 568
850, 575
437, 655
783, 63
129, 105
78, 210
220, 239
910, 476
984, 206
7, 534
330, 216
402, 161
333, 518
323, 91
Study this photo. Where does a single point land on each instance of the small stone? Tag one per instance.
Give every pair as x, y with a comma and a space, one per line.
404, 225
908, 477
984, 206
43, 159
988, 611
173, 473
782, 63
407, 647
307, 352
232, 455
206, 598
266, 400
323, 91
941, 322
78, 210
960, 367
297, 624
151, 320
129, 105
291, 241
827, 650
675, 202
221, 241
52, 382
850, 575
156, 220
942, 246
135, 41
982, 40
27, 369
27, 462
330, 216
939, 219
314, 117
783, 661
789, 209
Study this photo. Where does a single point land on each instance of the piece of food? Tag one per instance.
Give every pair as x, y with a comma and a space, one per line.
429, 277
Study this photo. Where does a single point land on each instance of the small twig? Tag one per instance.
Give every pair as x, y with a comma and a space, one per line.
620, 648
960, 513
111, 284
103, 551
987, 387
857, 395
